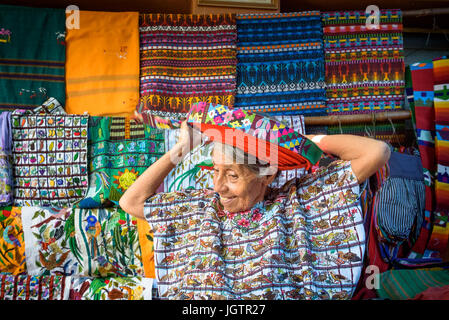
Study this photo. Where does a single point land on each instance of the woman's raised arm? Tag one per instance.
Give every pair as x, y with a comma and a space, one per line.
367, 155
133, 200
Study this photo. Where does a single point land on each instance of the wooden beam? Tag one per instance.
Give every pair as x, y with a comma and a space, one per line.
358, 118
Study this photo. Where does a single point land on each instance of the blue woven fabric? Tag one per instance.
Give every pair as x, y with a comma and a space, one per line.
280, 63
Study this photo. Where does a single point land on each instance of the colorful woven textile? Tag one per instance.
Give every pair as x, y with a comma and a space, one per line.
6, 169
107, 242
32, 56
364, 68
186, 59
305, 241
26, 287
406, 284
440, 234
12, 246
123, 288
50, 246
261, 136
102, 68
422, 82
50, 159
119, 151
280, 67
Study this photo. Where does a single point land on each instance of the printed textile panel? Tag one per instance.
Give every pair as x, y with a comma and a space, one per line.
280, 68
120, 150
186, 59
50, 159
6, 174
364, 66
50, 242
305, 241
107, 241
12, 243
111, 288
26, 287
32, 56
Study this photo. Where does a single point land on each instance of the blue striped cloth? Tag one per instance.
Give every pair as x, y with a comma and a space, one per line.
400, 200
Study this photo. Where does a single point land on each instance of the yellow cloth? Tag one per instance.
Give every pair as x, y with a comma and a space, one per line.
146, 246
102, 64
12, 244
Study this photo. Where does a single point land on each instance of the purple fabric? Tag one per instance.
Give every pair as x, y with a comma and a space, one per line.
6, 177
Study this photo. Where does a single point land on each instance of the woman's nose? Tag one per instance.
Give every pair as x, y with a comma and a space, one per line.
219, 184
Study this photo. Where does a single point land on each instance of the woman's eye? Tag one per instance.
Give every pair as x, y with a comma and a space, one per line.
233, 176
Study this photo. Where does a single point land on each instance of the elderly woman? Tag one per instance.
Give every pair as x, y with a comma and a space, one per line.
246, 240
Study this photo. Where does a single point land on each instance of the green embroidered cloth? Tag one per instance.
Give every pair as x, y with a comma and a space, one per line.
32, 56
119, 151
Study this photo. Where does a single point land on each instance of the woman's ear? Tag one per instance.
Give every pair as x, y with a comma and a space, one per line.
269, 178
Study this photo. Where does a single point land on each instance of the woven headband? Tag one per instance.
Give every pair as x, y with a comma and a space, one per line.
261, 136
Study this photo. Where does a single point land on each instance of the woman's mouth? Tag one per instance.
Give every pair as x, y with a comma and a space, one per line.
226, 200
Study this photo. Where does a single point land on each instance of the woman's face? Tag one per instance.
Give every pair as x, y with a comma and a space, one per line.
239, 188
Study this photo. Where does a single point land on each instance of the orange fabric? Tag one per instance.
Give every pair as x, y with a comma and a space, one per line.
102, 64
285, 159
146, 246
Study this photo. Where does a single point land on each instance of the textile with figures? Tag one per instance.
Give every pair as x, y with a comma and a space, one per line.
304, 241
50, 159
50, 245
6, 169
186, 59
111, 288
32, 56
422, 83
107, 241
12, 245
120, 150
364, 64
280, 67
27, 287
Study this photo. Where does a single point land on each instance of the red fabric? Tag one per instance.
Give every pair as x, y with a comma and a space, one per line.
434, 293
285, 159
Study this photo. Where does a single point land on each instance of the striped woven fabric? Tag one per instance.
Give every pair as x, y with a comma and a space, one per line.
406, 284
186, 59
280, 67
364, 67
32, 56
440, 233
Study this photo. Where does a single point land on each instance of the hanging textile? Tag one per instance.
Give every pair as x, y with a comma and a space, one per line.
123, 288
406, 284
6, 168
280, 68
364, 67
440, 233
146, 247
12, 246
422, 82
120, 150
50, 159
102, 68
186, 59
107, 242
32, 56
26, 287
50, 242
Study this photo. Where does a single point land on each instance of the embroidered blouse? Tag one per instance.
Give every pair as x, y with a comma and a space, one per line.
304, 241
